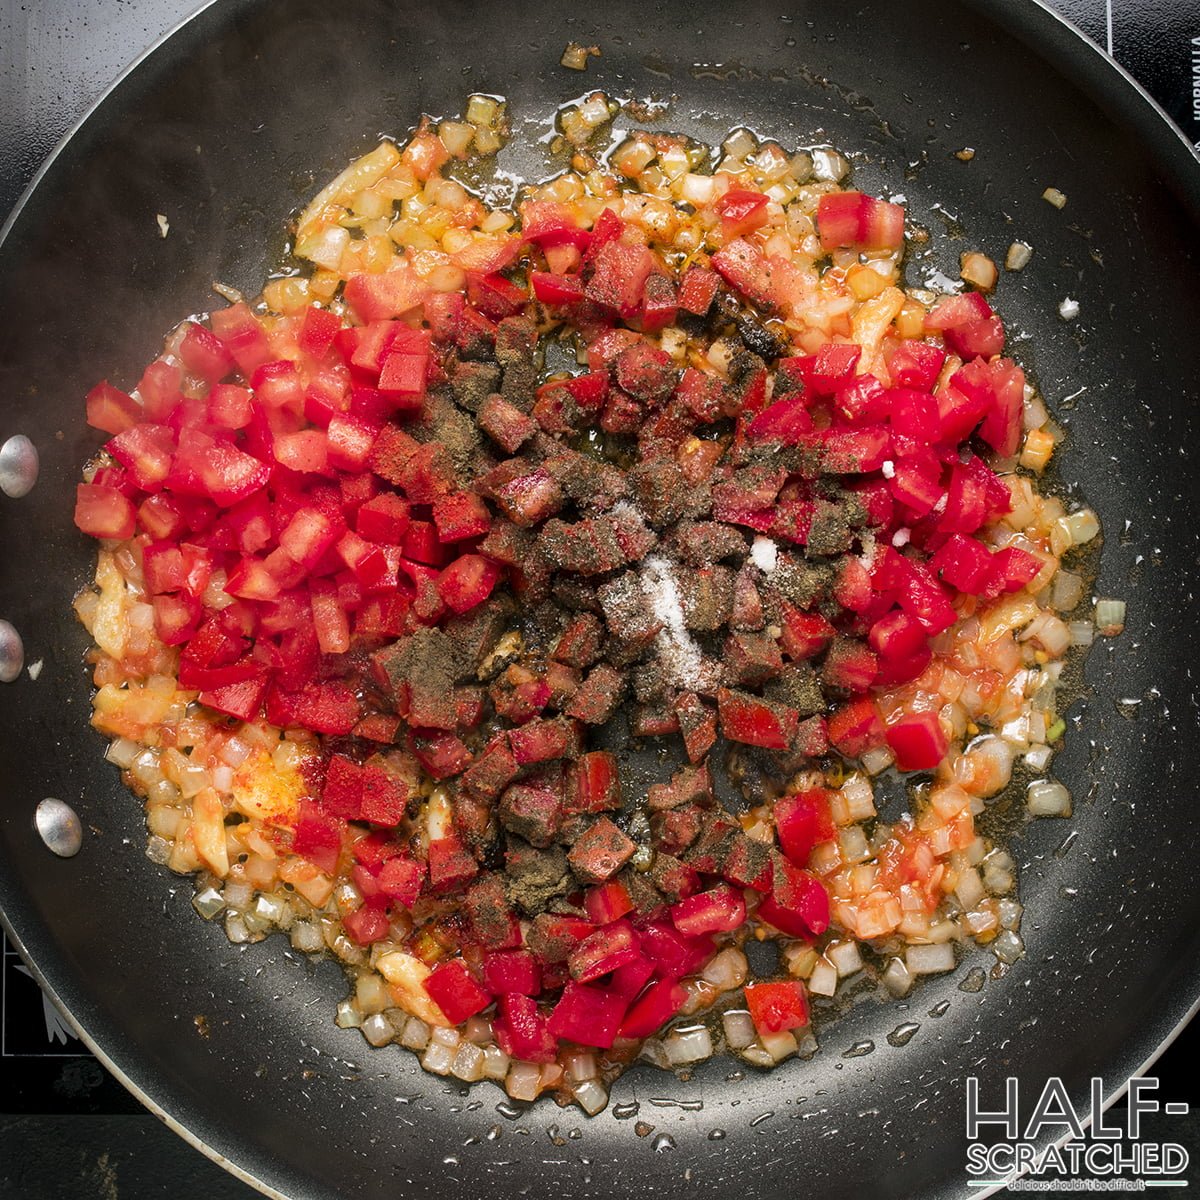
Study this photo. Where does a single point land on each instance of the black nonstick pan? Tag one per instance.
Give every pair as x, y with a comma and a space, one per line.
226, 128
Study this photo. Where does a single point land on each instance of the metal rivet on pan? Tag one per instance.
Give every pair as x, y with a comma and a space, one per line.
18, 466
59, 827
12, 653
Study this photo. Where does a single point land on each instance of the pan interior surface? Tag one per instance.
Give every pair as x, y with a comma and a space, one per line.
226, 130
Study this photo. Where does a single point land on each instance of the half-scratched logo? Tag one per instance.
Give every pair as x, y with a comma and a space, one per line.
1050, 1146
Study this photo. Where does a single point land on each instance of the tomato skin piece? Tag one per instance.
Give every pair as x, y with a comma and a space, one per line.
550, 288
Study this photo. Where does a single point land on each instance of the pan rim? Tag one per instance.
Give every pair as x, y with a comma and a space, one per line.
1039, 27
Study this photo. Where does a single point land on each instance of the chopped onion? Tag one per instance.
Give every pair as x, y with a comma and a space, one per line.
1110, 617
979, 270
415, 1035
897, 978
1010, 913
859, 798
845, 957
1053, 196
779, 1045
1066, 591
929, 960
726, 970
1038, 758
829, 165
446, 1036
824, 978
306, 937
1084, 526
495, 1063
208, 903
482, 110
468, 1063
1048, 799
581, 1066
688, 1046
738, 1028
1083, 633
1008, 947
378, 1030
758, 1056
478, 1030
591, 1096
348, 1017
877, 759
437, 1059
524, 1081
969, 889
1018, 256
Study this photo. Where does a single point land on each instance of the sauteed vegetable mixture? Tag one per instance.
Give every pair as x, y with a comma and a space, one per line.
410, 567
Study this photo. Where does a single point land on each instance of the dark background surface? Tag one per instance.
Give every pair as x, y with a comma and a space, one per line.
66, 1128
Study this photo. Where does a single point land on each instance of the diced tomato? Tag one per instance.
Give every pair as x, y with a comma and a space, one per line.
917, 741
587, 1015
506, 971
242, 334
204, 353
317, 837
241, 698
375, 297
229, 474
855, 219
746, 718
855, 727
146, 452
717, 911
798, 903
915, 364
803, 821
654, 1008
1013, 569
521, 1031
964, 564
103, 512
951, 311
176, 617
467, 582
350, 442
318, 328
112, 410
456, 991
460, 516
607, 902
305, 451
743, 267
698, 290
741, 212
777, 1007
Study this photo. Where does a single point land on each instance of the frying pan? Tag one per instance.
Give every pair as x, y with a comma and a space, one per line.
226, 128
